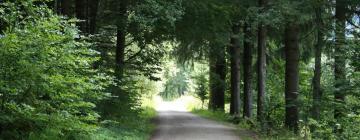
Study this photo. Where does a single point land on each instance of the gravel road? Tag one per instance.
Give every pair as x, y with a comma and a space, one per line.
176, 125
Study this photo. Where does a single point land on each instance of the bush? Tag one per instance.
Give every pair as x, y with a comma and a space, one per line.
48, 88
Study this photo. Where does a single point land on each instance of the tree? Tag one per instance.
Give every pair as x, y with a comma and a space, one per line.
150, 23
85, 10
138, 48
234, 51
340, 58
261, 66
201, 87
80, 11
317, 93
66, 7
93, 10
247, 70
48, 87
121, 32
177, 83
292, 55
217, 79
202, 33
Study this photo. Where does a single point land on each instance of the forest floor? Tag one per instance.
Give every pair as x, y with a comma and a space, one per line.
173, 122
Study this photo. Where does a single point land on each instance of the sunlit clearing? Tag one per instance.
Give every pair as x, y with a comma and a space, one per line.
182, 104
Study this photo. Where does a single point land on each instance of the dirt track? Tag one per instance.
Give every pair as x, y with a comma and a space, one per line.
176, 125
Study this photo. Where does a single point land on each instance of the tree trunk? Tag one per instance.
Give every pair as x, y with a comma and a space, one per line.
261, 68
340, 66
1, 30
120, 53
2, 27
80, 11
66, 8
217, 78
93, 9
234, 52
121, 40
247, 71
292, 76
58, 6
317, 72
52, 5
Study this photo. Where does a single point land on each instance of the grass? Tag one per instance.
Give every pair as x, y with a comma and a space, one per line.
130, 127
214, 115
226, 119
246, 130
135, 128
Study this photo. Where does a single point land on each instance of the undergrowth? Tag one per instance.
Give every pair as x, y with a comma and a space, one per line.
246, 128
133, 128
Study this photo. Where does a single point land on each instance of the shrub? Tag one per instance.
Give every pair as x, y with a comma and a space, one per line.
48, 88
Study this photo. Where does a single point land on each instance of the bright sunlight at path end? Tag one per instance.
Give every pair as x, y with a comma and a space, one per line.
175, 123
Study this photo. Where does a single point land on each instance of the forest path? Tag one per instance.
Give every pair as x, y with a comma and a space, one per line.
181, 125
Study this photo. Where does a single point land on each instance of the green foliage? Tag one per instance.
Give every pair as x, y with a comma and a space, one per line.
204, 23
215, 115
242, 125
135, 128
48, 88
173, 89
176, 82
201, 90
149, 23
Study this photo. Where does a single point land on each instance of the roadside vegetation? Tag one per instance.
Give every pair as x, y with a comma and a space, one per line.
55, 85
132, 128
245, 129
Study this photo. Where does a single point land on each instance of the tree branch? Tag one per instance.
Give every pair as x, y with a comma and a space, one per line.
135, 55
353, 24
128, 44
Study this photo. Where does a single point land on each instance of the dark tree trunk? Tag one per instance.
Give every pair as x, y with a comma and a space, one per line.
234, 52
212, 81
1, 29
52, 5
261, 68
247, 71
217, 78
58, 6
66, 8
121, 39
120, 53
292, 76
317, 72
93, 9
340, 66
80, 11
